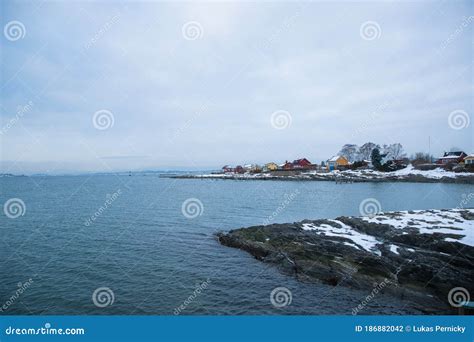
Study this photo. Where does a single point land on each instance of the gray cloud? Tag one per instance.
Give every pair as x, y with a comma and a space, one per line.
206, 102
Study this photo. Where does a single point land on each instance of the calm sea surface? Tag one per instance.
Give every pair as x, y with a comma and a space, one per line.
152, 257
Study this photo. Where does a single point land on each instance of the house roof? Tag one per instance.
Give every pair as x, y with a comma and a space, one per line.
335, 158
297, 161
453, 154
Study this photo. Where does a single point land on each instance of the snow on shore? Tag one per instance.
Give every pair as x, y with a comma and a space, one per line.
407, 172
449, 222
340, 229
431, 221
434, 174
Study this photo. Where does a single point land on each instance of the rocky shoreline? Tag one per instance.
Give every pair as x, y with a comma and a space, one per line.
419, 256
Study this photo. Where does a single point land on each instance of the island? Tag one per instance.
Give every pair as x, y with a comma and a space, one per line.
407, 174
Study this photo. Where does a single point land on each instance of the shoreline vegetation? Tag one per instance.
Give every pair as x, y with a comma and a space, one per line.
416, 255
408, 174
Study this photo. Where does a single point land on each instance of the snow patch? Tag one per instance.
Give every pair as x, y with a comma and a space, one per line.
435, 174
342, 230
429, 222
394, 249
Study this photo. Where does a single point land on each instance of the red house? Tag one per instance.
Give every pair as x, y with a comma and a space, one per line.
239, 169
452, 158
302, 164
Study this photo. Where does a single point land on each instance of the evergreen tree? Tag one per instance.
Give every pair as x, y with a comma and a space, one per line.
376, 158
365, 151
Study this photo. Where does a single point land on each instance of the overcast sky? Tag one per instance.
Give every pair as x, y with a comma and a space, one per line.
128, 86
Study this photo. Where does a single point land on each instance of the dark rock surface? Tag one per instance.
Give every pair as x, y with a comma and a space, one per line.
423, 269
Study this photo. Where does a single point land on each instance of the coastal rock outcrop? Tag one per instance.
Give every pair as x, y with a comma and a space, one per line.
418, 255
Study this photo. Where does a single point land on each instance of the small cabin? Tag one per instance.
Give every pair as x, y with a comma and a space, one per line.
469, 160
270, 167
336, 162
252, 168
452, 158
303, 163
239, 169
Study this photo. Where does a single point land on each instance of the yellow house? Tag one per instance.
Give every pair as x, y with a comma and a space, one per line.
271, 167
335, 162
469, 160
